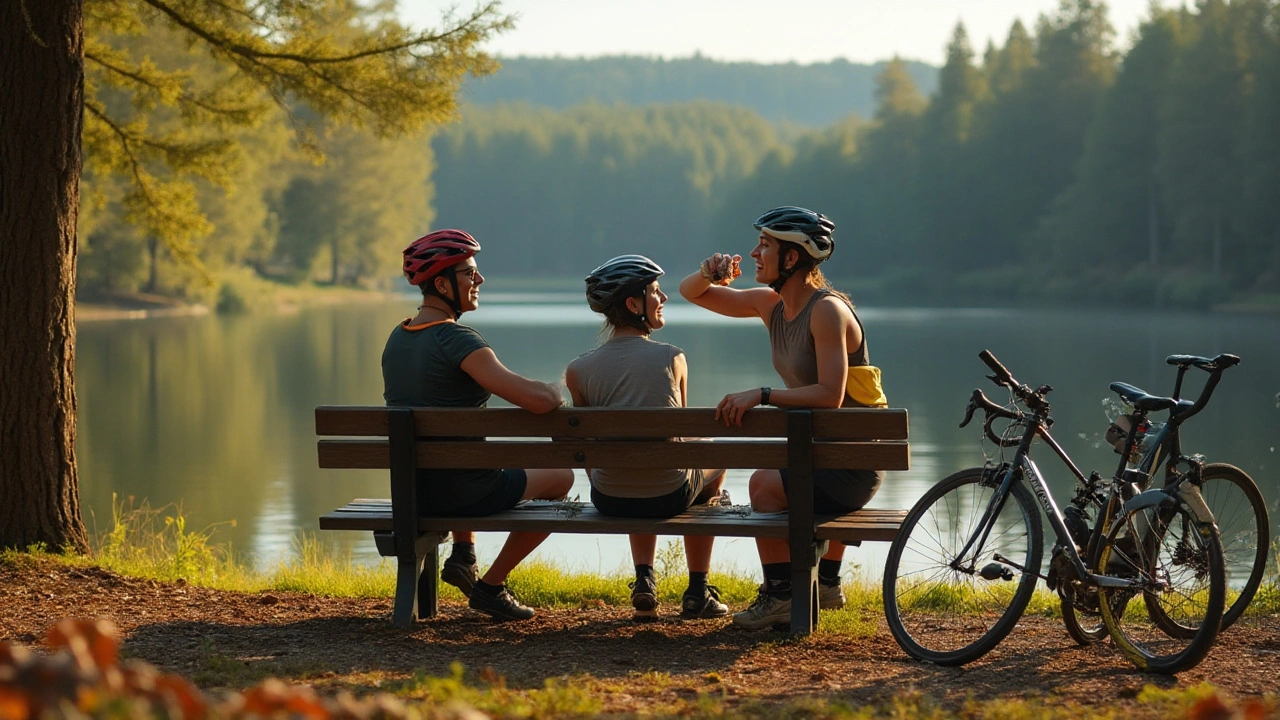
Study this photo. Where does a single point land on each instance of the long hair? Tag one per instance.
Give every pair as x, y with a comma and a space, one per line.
618, 315
813, 276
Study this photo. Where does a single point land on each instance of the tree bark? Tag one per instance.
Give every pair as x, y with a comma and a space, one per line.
41, 111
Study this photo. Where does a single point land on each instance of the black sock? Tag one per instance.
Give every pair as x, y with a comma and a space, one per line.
486, 588
644, 571
829, 572
464, 553
777, 580
697, 582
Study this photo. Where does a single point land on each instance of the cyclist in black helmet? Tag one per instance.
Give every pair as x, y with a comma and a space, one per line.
816, 337
631, 370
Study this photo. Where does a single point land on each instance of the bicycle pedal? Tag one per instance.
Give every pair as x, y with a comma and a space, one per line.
995, 571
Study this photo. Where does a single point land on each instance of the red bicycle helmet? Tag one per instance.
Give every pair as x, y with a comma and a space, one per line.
432, 253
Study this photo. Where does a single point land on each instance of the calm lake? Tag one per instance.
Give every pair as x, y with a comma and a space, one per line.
215, 413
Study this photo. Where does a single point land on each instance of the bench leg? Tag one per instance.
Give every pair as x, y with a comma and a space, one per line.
428, 582
406, 607
804, 588
417, 595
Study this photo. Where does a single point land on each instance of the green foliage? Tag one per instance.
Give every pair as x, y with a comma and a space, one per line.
1049, 169
189, 108
556, 193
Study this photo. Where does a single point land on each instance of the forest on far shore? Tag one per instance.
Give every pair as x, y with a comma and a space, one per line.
1051, 168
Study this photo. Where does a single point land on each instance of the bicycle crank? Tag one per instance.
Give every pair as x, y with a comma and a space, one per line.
999, 570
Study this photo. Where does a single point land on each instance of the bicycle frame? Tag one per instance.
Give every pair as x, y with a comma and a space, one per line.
1035, 427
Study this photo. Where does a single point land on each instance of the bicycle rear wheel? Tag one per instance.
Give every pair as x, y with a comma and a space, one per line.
1180, 567
1084, 624
939, 607
1245, 529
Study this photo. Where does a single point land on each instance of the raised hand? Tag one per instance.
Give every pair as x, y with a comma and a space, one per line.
721, 269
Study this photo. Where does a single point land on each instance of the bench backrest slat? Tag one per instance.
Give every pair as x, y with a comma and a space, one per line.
371, 421
614, 454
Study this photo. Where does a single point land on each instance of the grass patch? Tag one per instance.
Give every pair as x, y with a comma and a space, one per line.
558, 698
156, 543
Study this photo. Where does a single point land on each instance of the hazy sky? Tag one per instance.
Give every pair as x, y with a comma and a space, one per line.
764, 31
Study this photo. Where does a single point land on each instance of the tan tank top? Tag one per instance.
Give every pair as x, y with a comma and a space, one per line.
792, 343
631, 371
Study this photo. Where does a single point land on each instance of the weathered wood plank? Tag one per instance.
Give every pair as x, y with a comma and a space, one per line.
580, 518
848, 423
614, 454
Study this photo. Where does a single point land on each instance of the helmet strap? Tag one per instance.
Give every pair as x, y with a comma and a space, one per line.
643, 315
784, 273
454, 304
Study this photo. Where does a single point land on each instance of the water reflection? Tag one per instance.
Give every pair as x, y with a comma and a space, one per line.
216, 412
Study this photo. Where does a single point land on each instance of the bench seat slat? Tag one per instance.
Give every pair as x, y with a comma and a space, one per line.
848, 423
614, 454
867, 524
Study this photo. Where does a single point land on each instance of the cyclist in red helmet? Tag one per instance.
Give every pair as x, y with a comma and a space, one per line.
433, 360
816, 338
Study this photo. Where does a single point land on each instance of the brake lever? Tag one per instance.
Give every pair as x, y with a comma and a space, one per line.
968, 412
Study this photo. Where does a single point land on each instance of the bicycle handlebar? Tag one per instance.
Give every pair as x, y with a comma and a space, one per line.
1034, 399
1214, 367
1003, 376
1210, 365
993, 411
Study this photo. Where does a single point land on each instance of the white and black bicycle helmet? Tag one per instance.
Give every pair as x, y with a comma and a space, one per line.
803, 228
618, 279
806, 228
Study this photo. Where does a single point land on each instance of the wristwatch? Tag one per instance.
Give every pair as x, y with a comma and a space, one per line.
764, 395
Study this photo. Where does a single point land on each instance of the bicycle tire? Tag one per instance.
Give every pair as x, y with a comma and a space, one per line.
1163, 546
1245, 530
1084, 626
946, 616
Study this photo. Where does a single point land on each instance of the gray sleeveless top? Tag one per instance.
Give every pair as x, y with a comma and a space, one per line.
631, 371
793, 355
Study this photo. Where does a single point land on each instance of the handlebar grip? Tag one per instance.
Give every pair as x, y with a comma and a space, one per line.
1001, 372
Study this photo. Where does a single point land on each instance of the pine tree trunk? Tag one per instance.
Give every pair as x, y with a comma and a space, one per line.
41, 110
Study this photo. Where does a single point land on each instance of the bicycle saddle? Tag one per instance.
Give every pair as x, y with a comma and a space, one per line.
1139, 398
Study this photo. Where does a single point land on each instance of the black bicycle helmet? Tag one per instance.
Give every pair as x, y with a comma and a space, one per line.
618, 279
806, 228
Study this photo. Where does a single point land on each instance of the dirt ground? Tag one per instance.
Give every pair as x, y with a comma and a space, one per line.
302, 637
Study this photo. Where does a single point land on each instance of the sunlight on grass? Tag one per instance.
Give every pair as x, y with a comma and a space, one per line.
156, 543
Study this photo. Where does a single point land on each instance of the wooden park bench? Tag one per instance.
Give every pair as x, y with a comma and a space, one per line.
405, 439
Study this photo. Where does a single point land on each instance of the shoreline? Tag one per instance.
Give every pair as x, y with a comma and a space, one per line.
138, 306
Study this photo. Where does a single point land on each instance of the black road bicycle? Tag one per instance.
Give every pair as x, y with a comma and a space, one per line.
1232, 496
964, 566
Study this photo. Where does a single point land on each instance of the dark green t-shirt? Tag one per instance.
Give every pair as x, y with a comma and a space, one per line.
421, 367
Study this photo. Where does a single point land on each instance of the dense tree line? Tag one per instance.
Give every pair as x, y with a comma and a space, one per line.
814, 95
1047, 168
555, 193
1057, 170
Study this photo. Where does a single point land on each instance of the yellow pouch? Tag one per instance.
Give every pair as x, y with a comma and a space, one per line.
863, 386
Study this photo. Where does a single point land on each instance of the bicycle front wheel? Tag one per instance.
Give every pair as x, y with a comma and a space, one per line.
1179, 568
1245, 529
947, 609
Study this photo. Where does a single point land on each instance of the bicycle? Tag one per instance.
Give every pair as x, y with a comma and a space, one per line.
972, 558
1232, 496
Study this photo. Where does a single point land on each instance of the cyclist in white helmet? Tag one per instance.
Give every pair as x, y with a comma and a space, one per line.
632, 370
816, 337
